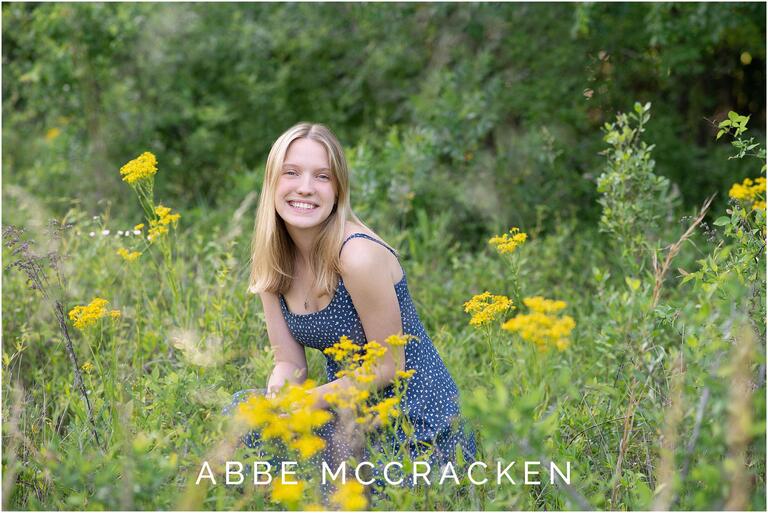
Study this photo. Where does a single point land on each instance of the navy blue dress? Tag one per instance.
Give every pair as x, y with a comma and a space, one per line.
431, 400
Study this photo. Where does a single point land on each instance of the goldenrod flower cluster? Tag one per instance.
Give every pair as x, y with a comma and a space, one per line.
541, 325
750, 191
142, 167
508, 242
290, 417
128, 256
85, 316
285, 493
350, 497
159, 226
87, 367
486, 307
359, 366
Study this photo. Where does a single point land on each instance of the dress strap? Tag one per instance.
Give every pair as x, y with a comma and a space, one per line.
366, 236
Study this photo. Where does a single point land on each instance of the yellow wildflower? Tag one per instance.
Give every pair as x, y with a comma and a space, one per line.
486, 307
308, 445
342, 349
256, 411
84, 316
508, 242
128, 256
384, 410
398, 340
541, 325
87, 367
141, 168
350, 496
539, 304
750, 191
405, 374
139, 226
284, 493
52, 134
289, 416
305, 419
159, 226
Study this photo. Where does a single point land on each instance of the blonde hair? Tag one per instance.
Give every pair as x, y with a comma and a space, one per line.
272, 249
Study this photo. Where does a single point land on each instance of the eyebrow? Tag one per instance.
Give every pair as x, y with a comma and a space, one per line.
288, 164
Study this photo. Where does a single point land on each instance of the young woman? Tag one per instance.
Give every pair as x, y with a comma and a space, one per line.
322, 274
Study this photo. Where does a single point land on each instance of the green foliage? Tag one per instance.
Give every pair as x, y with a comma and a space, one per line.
209, 87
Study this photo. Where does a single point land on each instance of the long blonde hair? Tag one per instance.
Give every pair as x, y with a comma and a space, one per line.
272, 249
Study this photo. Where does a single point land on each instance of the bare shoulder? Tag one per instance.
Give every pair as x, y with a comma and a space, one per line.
361, 255
365, 259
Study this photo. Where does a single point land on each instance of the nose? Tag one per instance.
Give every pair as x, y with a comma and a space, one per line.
305, 186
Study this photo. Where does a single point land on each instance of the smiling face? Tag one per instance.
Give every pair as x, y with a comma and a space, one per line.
306, 190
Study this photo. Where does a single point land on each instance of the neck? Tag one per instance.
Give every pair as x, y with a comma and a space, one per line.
304, 240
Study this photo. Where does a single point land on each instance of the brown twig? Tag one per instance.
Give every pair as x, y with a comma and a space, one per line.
673, 250
629, 419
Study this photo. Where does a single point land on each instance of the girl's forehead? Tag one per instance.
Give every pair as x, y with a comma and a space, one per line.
307, 152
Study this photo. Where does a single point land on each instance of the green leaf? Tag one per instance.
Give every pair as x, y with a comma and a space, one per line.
733, 116
722, 221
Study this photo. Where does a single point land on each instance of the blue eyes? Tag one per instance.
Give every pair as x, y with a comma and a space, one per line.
322, 177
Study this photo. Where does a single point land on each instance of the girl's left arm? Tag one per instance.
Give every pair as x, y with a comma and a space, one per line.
364, 270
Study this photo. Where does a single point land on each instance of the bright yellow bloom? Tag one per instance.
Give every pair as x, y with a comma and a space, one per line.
84, 316
358, 366
750, 191
141, 168
306, 419
277, 429
398, 340
159, 226
290, 416
486, 307
539, 304
350, 496
384, 410
139, 226
342, 349
509, 242
287, 493
256, 411
541, 325
128, 256
405, 374
308, 445
87, 367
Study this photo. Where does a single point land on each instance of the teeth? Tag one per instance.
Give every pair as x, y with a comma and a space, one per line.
299, 204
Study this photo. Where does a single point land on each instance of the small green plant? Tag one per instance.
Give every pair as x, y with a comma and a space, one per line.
630, 191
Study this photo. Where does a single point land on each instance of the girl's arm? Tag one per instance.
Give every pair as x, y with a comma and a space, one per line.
364, 268
290, 359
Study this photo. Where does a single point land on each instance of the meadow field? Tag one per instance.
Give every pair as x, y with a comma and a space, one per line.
577, 193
